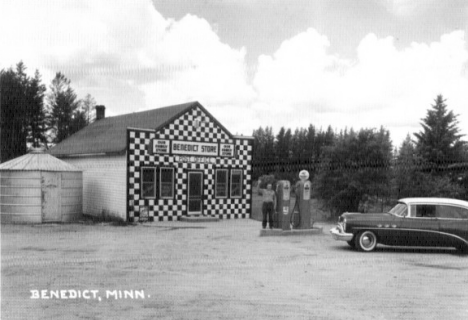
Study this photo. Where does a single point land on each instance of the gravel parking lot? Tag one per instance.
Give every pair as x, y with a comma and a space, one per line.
222, 270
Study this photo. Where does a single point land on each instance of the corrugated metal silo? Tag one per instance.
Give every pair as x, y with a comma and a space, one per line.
38, 187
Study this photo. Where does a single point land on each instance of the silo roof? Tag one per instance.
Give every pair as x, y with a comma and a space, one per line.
37, 160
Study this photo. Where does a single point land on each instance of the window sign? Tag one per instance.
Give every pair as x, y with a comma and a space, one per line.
226, 150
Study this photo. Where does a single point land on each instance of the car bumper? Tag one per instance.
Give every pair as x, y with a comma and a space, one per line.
338, 234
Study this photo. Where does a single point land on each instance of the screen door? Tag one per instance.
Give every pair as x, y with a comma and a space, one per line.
195, 192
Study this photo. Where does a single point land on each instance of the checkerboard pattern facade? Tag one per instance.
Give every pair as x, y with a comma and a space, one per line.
194, 125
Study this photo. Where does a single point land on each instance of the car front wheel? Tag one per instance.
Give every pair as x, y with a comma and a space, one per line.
352, 243
366, 241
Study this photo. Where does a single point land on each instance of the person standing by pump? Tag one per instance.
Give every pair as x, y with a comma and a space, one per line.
268, 205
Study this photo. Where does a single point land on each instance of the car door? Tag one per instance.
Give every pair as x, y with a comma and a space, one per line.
453, 224
421, 226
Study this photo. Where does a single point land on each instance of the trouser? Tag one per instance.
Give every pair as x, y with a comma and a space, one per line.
267, 210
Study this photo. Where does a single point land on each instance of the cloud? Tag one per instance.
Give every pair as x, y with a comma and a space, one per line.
101, 46
131, 58
302, 83
210, 71
126, 51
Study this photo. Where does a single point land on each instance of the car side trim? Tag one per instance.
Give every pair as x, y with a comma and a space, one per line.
417, 230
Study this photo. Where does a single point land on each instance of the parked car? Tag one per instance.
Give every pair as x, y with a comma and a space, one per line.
436, 222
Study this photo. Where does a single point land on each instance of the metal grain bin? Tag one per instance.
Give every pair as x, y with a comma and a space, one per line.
38, 187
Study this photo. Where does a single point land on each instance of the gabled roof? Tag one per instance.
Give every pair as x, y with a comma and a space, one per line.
109, 135
37, 160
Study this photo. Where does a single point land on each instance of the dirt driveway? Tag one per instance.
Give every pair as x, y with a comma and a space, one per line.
221, 270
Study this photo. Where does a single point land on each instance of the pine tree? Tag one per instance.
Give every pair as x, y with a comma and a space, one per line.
283, 150
405, 169
88, 105
439, 141
22, 118
354, 168
13, 140
64, 116
36, 113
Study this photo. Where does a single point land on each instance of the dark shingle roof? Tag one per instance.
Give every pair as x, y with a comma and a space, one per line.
109, 135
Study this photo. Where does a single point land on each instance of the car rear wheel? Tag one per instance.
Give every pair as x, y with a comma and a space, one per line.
366, 241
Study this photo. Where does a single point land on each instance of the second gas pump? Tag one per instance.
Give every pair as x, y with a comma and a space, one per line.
283, 192
301, 211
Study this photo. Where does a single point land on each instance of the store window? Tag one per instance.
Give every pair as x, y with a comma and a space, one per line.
221, 187
166, 183
148, 183
236, 183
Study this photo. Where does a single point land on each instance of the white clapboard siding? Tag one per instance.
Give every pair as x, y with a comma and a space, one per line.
104, 185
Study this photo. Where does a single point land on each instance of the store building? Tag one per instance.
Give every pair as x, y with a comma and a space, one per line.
164, 164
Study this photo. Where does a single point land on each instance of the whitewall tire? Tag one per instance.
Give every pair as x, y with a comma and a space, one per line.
366, 241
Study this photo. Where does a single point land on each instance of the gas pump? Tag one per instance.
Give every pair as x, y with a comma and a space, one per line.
303, 190
283, 189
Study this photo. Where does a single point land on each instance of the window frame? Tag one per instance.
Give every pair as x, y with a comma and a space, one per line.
240, 184
172, 182
216, 183
142, 183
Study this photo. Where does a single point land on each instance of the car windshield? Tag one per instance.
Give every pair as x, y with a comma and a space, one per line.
399, 210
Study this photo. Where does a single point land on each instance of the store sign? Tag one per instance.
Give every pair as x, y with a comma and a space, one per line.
192, 159
195, 148
226, 150
160, 146
203, 149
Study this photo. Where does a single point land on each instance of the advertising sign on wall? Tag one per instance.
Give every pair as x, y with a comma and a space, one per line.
160, 146
226, 150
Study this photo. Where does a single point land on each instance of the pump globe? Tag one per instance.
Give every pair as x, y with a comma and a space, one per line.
304, 175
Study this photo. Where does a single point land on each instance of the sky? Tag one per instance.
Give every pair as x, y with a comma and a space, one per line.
252, 63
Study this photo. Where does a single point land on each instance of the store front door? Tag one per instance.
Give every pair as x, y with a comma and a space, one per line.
195, 193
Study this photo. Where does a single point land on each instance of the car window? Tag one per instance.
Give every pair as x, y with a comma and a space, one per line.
423, 210
451, 212
400, 210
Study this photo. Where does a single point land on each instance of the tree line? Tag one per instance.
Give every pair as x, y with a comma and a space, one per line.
31, 116
349, 168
